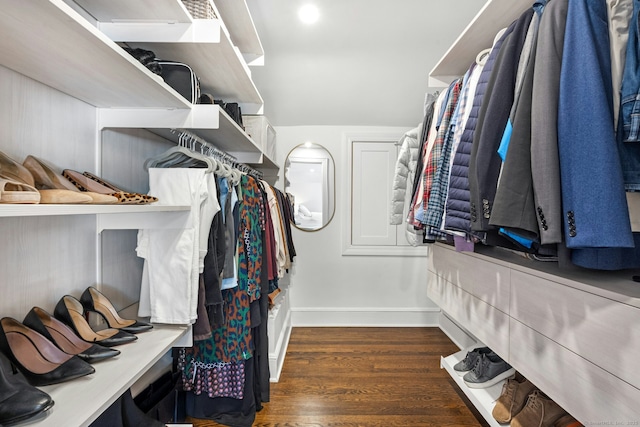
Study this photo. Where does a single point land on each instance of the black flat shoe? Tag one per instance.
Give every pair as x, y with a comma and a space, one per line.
70, 311
39, 360
64, 338
93, 300
19, 401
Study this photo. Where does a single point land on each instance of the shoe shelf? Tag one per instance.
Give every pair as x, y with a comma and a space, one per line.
237, 19
23, 210
478, 35
483, 399
49, 42
81, 401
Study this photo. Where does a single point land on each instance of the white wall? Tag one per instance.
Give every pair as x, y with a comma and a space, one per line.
330, 289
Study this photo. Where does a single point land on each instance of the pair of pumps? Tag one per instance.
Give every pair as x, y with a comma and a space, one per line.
52, 349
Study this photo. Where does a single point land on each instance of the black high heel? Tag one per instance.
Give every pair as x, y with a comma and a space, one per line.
64, 338
93, 300
70, 311
39, 360
19, 401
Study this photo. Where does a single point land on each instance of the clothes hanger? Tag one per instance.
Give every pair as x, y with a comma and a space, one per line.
483, 56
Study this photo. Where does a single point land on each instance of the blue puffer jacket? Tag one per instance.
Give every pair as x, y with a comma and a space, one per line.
457, 218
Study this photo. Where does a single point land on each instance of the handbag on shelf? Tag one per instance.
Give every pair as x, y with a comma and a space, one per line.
182, 78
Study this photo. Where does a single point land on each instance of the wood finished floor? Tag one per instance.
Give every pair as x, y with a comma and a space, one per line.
365, 377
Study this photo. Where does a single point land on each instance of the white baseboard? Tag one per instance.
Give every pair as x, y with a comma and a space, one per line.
457, 334
365, 316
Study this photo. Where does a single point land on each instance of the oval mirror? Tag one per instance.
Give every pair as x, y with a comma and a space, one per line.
310, 180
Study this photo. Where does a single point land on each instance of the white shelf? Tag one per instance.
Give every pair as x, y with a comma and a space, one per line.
136, 10
237, 18
11, 210
204, 47
483, 399
81, 401
49, 42
478, 35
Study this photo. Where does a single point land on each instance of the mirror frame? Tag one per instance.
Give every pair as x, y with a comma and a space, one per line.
286, 181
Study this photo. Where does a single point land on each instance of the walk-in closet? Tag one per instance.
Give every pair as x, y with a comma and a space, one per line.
319, 213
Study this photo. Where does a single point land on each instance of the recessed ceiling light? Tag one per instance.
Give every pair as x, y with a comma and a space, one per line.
309, 14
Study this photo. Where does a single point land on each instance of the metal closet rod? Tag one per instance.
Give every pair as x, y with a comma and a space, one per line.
208, 149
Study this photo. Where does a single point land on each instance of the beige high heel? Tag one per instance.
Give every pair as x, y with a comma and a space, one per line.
10, 169
16, 183
47, 179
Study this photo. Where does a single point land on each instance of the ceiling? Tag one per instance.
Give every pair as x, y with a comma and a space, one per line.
366, 62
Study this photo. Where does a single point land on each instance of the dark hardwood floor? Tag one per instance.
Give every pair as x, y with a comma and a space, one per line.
365, 377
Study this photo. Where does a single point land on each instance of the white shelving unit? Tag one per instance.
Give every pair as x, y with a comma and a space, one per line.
484, 399
55, 44
479, 35
81, 401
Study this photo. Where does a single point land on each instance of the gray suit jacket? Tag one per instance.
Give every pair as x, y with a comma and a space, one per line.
513, 206
544, 115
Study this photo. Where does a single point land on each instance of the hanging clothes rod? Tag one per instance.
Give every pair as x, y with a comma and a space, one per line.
208, 149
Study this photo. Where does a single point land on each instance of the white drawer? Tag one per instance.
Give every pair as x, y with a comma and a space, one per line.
484, 279
486, 323
586, 391
602, 331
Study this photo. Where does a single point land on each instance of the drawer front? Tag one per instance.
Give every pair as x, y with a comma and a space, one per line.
588, 392
486, 323
602, 331
483, 279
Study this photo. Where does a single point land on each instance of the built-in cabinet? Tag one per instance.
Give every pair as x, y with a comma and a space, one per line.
570, 331
74, 97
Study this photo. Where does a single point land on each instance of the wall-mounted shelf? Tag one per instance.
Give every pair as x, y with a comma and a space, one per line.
81, 401
51, 43
478, 35
136, 10
204, 47
11, 210
237, 19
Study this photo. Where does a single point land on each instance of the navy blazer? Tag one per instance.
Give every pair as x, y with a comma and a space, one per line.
593, 197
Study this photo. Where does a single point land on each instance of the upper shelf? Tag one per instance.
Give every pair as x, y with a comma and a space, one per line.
237, 18
203, 44
136, 10
49, 42
479, 35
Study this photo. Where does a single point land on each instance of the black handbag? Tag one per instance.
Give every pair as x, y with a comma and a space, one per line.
182, 78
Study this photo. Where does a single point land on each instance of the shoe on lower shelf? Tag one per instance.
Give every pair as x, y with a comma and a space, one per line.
540, 411
490, 369
515, 392
469, 361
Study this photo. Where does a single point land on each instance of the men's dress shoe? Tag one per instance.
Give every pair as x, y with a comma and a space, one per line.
94, 301
539, 411
514, 396
19, 401
64, 337
70, 311
490, 369
469, 361
51, 366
